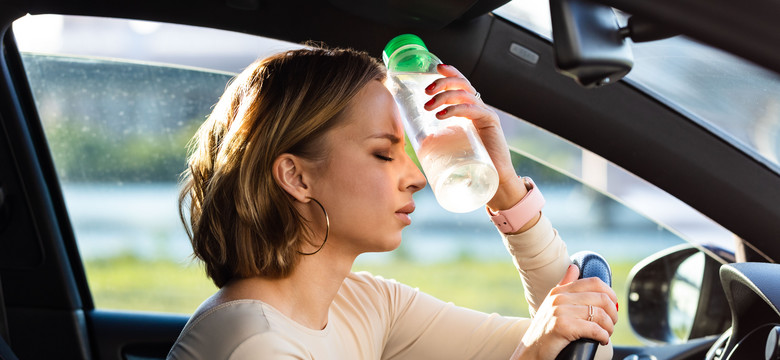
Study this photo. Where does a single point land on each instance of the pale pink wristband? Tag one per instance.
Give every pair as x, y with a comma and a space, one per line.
513, 219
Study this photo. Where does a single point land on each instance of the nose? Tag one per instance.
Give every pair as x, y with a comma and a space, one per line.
413, 179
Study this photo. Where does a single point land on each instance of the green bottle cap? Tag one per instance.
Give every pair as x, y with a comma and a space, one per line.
399, 42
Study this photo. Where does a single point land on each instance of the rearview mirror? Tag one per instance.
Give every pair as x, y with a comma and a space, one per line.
587, 43
675, 295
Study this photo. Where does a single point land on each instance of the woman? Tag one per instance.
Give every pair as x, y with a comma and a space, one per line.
299, 169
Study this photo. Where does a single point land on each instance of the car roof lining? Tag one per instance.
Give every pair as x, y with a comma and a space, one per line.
745, 28
430, 14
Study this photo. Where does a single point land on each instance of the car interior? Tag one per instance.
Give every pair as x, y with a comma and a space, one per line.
46, 305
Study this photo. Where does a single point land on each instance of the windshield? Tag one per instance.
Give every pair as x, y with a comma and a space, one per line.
731, 97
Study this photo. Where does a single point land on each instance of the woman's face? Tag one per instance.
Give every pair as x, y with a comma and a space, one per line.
368, 180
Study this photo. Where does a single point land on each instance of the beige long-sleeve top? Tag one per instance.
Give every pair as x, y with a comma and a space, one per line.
375, 318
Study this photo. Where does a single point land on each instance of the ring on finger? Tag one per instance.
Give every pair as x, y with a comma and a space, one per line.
590, 312
477, 95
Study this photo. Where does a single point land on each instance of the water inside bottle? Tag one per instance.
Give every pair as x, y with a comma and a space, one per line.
462, 179
453, 158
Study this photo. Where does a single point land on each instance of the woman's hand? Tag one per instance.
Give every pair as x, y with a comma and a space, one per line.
563, 317
456, 91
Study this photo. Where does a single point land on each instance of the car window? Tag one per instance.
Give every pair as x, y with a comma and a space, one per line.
119, 100
118, 107
730, 96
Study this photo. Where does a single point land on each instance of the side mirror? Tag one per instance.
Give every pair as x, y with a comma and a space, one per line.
675, 295
588, 44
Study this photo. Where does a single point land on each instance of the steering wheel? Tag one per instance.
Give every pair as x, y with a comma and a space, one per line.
591, 264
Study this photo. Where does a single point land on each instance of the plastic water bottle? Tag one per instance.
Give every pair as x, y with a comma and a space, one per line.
452, 155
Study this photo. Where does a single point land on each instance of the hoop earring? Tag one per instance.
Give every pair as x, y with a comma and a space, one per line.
327, 228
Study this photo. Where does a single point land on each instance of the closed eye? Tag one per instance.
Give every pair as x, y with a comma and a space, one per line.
383, 158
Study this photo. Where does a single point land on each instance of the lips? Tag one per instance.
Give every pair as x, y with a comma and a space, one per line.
408, 209
403, 213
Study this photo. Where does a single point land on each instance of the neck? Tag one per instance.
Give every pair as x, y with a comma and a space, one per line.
305, 296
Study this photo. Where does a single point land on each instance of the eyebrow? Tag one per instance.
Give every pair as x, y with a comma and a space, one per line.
393, 139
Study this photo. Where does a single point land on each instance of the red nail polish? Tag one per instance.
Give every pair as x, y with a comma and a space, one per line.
442, 113
430, 87
617, 307
429, 103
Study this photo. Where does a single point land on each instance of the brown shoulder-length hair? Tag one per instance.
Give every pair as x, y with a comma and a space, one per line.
241, 222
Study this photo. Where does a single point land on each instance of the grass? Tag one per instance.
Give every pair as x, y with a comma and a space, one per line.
128, 283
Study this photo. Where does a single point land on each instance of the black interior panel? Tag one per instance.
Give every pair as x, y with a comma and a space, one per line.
635, 132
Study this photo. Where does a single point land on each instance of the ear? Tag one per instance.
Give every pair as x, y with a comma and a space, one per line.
288, 171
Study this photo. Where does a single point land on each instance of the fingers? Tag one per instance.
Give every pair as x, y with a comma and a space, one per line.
572, 323
597, 315
601, 317
592, 284
594, 331
457, 96
573, 329
567, 316
448, 70
469, 111
589, 291
453, 81
588, 303
450, 83
604, 304
454, 97
572, 273
579, 301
